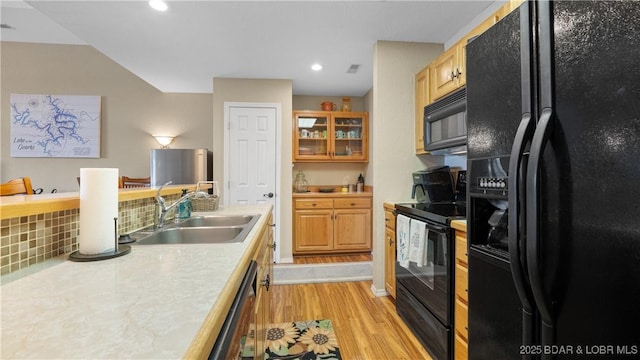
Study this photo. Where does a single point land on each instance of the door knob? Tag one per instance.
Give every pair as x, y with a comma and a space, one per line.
269, 195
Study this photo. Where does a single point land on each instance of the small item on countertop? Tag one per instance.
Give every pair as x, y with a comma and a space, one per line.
352, 188
361, 179
184, 208
345, 188
300, 183
359, 187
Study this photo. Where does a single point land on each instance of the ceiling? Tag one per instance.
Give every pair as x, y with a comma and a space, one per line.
183, 49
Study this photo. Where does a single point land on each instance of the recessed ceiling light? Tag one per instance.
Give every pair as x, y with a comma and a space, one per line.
158, 5
316, 67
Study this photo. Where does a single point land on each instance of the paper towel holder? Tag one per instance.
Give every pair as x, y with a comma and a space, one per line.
119, 250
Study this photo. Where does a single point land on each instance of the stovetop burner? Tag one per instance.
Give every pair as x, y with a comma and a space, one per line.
441, 212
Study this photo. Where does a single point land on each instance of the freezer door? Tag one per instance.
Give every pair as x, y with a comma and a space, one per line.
582, 228
494, 89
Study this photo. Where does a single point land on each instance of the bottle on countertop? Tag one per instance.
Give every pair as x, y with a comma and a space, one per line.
360, 184
184, 208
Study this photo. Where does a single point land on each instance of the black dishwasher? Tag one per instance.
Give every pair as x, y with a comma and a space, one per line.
237, 322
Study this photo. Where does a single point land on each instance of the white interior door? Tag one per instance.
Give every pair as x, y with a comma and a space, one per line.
252, 161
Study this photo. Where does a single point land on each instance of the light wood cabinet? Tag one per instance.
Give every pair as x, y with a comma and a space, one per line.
264, 278
444, 72
390, 249
422, 99
449, 70
332, 225
461, 303
330, 136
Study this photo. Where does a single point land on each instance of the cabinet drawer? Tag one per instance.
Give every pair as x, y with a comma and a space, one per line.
461, 319
461, 349
314, 204
461, 248
462, 282
355, 203
389, 220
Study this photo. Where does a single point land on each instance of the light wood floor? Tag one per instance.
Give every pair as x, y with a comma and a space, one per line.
367, 327
323, 259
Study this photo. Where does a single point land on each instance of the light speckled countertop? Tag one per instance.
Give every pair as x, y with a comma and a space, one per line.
150, 303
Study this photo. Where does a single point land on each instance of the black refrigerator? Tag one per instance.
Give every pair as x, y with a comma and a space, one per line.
553, 185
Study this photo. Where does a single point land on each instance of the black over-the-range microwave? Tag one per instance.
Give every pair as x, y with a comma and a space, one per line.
445, 124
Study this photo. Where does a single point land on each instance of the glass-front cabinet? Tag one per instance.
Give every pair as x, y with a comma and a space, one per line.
326, 136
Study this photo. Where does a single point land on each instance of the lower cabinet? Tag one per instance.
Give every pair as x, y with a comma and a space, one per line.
390, 249
332, 225
264, 278
461, 304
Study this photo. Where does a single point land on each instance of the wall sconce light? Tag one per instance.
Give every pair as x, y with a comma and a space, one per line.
164, 140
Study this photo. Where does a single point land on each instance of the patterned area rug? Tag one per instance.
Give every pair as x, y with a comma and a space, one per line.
300, 340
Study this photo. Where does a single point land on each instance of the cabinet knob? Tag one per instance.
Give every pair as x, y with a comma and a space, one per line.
314, 204
390, 241
353, 204
266, 282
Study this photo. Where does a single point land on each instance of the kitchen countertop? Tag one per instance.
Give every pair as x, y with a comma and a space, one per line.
25, 205
316, 194
158, 301
459, 225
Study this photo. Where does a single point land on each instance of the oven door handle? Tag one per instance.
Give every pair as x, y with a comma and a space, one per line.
439, 229
223, 343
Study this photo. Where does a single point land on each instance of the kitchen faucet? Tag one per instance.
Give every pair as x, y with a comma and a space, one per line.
164, 209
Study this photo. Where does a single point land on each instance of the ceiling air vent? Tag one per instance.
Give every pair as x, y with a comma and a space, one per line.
353, 69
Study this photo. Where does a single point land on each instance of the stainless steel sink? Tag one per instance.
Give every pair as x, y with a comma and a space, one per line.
202, 230
218, 220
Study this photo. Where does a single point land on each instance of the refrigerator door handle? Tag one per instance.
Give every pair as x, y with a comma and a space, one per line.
517, 182
516, 208
540, 139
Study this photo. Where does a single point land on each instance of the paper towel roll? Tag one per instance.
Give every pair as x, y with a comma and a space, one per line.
98, 208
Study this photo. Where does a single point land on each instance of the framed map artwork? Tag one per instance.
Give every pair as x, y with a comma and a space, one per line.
64, 126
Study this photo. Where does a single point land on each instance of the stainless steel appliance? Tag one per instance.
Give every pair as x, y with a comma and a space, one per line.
552, 154
424, 298
181, 166
445, 126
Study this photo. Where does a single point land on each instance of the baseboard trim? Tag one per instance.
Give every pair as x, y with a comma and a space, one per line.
378, 292
285, 274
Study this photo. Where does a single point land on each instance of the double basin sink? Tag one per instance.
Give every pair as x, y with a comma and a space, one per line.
210, 229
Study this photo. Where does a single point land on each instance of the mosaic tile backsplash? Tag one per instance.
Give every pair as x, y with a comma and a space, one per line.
28, 240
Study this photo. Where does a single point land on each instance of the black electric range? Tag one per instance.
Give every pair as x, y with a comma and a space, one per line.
424, 294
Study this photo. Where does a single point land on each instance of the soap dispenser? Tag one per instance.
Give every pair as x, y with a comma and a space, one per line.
184, 208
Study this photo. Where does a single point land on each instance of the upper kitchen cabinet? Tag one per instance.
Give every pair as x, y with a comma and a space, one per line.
444, 73
422, 100
330, 136
448, 71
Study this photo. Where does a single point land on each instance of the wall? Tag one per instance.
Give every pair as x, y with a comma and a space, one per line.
132, 111
260, 91
392, 133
